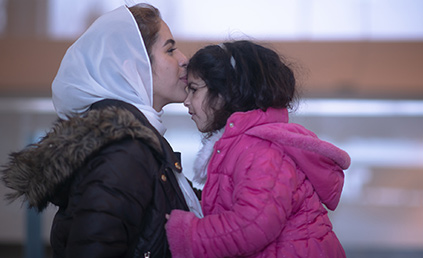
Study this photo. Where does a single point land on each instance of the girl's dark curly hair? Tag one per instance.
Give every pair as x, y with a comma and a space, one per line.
246, 76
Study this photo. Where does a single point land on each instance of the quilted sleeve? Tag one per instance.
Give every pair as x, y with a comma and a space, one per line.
263, 187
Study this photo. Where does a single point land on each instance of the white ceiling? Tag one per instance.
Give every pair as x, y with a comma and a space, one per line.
266, 19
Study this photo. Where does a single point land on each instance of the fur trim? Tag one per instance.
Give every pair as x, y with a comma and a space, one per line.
37, 171
203, 157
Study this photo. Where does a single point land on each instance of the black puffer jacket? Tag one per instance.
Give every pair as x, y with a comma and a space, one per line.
111, 175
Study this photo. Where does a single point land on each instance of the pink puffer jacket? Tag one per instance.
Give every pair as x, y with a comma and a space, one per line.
266, 182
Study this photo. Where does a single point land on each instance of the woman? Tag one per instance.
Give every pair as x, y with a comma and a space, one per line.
106, 164
267, 179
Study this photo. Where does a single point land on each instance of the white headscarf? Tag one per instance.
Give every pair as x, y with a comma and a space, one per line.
109, 61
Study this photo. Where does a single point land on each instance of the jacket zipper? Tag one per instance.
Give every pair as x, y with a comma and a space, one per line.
147, 255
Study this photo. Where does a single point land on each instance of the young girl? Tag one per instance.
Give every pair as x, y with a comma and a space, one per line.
266, 180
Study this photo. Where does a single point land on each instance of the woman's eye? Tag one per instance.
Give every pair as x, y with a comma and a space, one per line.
171, 50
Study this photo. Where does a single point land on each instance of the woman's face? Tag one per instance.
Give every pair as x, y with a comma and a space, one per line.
195, 102
169, 70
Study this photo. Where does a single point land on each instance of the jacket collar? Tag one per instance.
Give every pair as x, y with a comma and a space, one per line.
169, 157
240, 122
37, 171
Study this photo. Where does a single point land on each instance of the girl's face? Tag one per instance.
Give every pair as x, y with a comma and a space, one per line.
169, 70
195, 102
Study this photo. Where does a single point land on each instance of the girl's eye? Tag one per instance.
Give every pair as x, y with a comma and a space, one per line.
190, 89
171, 50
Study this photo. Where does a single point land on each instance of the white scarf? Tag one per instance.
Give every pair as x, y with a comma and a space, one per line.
203, 157
110, 61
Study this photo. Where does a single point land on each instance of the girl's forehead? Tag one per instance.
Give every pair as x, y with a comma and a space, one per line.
193, 78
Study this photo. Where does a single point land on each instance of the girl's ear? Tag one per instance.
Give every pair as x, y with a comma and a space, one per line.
217, 105
220, 101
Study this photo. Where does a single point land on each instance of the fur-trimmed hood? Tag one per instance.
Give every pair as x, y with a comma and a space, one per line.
38, 170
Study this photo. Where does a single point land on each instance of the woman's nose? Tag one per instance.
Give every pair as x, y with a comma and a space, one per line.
183, 60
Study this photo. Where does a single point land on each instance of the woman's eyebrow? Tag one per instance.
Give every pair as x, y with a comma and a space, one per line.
169, 41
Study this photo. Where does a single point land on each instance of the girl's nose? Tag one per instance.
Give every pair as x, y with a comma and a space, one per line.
187, 102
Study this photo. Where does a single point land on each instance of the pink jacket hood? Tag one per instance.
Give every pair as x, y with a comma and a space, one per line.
266, 182
321, 161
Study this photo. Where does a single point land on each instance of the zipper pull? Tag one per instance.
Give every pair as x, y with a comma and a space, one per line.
147, 255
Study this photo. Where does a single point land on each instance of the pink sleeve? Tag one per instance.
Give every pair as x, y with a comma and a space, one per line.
179, 231
261, 202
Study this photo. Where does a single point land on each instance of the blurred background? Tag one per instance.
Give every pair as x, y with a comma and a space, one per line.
360, 66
